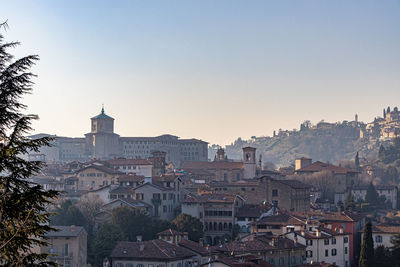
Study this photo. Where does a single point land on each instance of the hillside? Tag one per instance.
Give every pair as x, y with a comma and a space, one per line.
330, 142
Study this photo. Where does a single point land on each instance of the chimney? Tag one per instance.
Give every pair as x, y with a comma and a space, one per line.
73, 228
141, 247
317, 232
302, 233
341, 230
138, 238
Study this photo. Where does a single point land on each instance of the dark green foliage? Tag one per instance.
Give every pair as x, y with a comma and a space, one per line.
349, 201
391, 153
384, 113
357, 161
104, 241
396, 250
125, 225
383, 256
372, 195
192, 225
134, 223
23, 211
367, 248
68, 214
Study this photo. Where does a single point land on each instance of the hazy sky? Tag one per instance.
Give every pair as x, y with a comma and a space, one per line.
213, 70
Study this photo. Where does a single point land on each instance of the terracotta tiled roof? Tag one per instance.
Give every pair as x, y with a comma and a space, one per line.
238, 247
321, 166
122, 190
280, 219
212, 165
101, 168
124, 162
66, 231
251, 211
385, 228
194, 246
249, 260
213, 197
170, 232
150, 250
294, 184
131, 178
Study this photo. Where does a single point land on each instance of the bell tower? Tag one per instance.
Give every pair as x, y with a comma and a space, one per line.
102, 142
249, 162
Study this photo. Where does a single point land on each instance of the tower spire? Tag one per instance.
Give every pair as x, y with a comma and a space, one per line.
102, 108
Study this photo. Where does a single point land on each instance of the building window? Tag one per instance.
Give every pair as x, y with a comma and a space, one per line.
164, 208
139, 196
326, 241
345, 250
281, 261
274, 192
275, 203
326, 253
378, 239
293, 260
309, 253
66, 250
164, 197
309, 242
345, 239
334, 252
333, 241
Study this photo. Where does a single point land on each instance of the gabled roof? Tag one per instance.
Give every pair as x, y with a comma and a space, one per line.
280, 219
386, 229
122, 190
194, 246
131, 178
321, 166
207, 198
170, 232
100, 168
66, 231
212, 165
124, 162
150, 250
155, 186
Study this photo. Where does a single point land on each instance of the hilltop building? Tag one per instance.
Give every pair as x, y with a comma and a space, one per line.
103, 143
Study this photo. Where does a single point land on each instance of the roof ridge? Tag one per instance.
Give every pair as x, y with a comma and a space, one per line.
162, 250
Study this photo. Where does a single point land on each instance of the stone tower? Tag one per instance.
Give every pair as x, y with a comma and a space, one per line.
249, 162
102, 142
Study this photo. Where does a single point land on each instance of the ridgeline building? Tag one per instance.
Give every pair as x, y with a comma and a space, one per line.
102, 143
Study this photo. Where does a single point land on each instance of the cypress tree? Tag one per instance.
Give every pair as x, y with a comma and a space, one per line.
357, 161
384, 113
367, 248
23, 204
372, 195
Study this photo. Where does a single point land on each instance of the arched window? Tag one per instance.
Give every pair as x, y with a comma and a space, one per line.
210, 226
215, 226
230, 226
220, 226
225, 226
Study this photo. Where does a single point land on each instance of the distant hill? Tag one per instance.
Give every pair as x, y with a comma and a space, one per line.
329, 142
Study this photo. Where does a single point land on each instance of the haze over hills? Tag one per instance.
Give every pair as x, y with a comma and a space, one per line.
330, 142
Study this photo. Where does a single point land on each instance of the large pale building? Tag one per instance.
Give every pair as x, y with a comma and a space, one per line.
103, 143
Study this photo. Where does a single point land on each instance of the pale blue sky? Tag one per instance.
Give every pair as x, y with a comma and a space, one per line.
214, 70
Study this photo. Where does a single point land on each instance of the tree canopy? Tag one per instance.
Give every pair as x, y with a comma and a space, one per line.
189, 224
23, 204
367, 248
